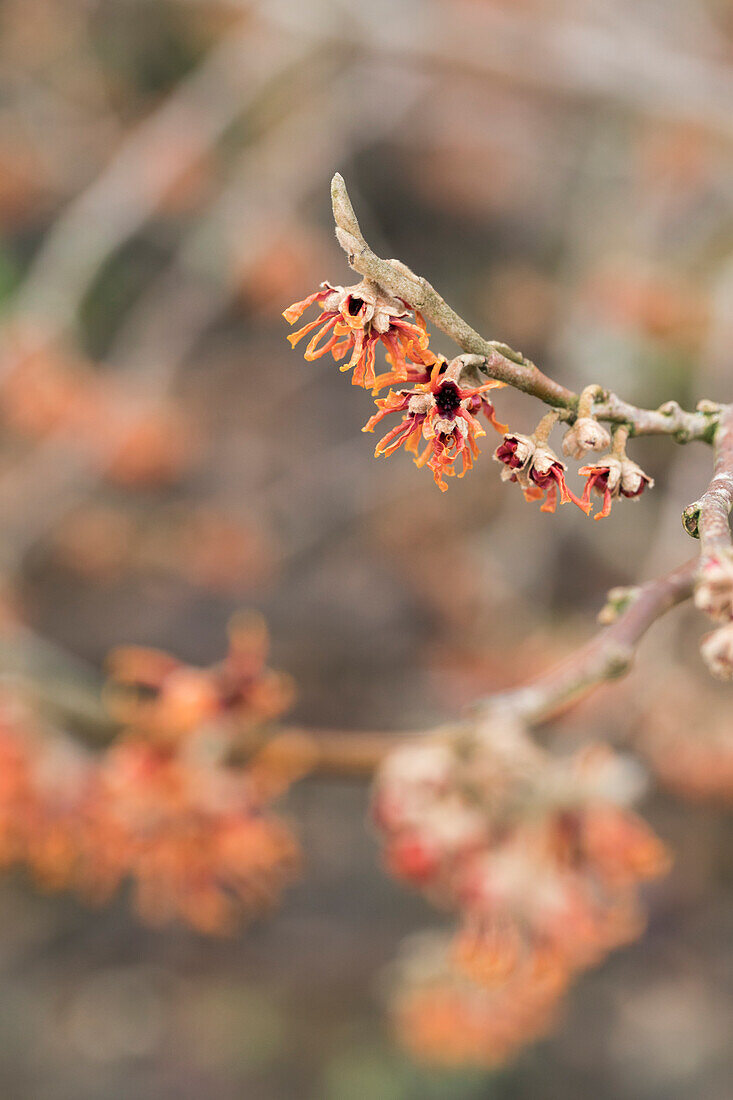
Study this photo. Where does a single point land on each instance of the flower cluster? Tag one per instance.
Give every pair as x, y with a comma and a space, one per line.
440, 408
154, 692
613, 476
541, 857
45, 392
535, 466
170, 807
437, 405
191, 834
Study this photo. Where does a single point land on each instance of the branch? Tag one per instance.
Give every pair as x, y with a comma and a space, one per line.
500, 361
356, 754
607, 656
348, 754
707, 519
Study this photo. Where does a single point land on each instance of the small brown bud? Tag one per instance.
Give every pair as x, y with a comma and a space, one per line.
585, 435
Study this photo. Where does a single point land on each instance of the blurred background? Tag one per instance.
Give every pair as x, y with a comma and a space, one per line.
561, 171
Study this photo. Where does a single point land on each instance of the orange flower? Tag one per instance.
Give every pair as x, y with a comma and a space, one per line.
620, 847
443, 1017
612, 476
355, 319
537, 469
167, 699
192, 837
442, 412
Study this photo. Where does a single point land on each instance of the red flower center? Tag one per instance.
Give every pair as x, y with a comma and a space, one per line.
507, 453
448, 400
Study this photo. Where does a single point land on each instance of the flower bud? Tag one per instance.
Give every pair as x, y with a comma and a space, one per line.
585, 435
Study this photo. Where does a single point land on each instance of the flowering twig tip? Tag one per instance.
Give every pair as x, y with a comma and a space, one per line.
343, 212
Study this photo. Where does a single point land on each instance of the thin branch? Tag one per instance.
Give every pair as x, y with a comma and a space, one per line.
499, 360
349, 754
357, 754
708, 518
502, 362
607, 656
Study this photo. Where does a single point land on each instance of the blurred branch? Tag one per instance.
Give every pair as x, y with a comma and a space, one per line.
125, 195
348, 754
708, 520
557, 54
355, 753
268, 185
607, 656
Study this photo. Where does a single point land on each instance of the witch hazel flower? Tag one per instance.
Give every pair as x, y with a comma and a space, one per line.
355, 319
442, 1017
528, 460
613, 475
442, 412
586, 434
425, 822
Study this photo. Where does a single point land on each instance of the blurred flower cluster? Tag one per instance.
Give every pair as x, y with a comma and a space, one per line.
178, 805
135, 442
539, 855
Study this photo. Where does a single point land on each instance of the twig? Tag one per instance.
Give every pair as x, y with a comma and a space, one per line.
606, 657
348, 754
499, 360
124, 196
707, 519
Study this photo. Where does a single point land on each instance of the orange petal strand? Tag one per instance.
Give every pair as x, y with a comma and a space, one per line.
395, 438
551, 502
607, 502
292, 313
294, 337
313, 351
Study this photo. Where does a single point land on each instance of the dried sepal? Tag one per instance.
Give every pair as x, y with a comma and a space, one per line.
537, 469
586, 434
